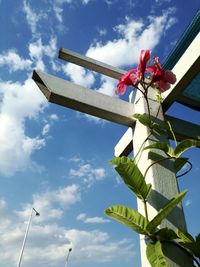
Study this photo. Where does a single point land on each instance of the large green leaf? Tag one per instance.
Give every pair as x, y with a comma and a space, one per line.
160, 128
184, 236
185, 145
155, 255
132, 177
162, 146
143, 118
179, 163
129, 217
166, 234
187, 241
121, 160
162, 214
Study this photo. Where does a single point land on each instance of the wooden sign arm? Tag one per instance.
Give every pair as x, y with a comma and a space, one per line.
90, 63
182, 129
67, 94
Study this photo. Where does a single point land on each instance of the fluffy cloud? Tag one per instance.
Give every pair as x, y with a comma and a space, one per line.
78, 74
19, 102
31, 17
46, 129
37, 51
47, 245
83, 217
133, 36
52, 203
88, 173
95, 246
14, 62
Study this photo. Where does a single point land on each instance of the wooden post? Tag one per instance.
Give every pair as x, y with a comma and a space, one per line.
163, 180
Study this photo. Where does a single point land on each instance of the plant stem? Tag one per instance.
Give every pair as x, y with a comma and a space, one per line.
142, 145
172, 132
157, 161
148, 108
189, 169
145, 210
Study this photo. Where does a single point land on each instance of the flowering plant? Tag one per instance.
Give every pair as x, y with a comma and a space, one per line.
142, 78
153, 76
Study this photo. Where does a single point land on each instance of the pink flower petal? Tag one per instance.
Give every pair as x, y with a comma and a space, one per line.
163, 86
170, 76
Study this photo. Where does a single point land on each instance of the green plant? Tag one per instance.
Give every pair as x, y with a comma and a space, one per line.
133, 178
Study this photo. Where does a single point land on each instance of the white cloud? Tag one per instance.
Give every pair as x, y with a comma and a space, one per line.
91, 118
108, 86
88, 173
95, 246
76, 159
19, 102
47, 245
2, 204
46, 129
85, 2
162, 1
83, 217
51, 204
133, 36
31, 17
37, 51
54, 117
14, 62
58, 13
188, 202
79, 75
102, 32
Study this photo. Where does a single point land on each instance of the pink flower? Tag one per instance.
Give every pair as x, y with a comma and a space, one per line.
144, 58
132, 77
162, 79
129, 78
167, 79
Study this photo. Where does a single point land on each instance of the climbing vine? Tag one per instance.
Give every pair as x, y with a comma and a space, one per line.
142, 78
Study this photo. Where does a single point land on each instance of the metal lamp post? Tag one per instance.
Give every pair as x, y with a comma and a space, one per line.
26, 234
67, 259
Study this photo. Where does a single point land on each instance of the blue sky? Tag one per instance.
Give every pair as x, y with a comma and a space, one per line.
55, 159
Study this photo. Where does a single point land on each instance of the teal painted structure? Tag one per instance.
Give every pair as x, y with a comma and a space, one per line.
191, 95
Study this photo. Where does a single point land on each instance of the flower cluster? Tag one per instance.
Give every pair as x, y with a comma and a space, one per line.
153, 75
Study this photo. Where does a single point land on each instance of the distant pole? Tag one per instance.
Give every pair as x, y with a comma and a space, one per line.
67, 259
26, 234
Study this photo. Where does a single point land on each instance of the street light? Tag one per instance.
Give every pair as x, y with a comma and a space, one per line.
66, 263
26, 234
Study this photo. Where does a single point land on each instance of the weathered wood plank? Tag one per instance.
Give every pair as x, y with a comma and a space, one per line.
67, 94
90, 63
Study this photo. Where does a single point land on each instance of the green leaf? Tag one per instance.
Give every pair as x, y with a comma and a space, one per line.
166, 234
155, 255
120, 160
162, 146
185, 145
129, 217
132, 177
185, 237
162, 214
187, 241
179, 163
160, 128
143, 118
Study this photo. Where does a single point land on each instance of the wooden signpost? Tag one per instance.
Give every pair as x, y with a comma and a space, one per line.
161, 176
